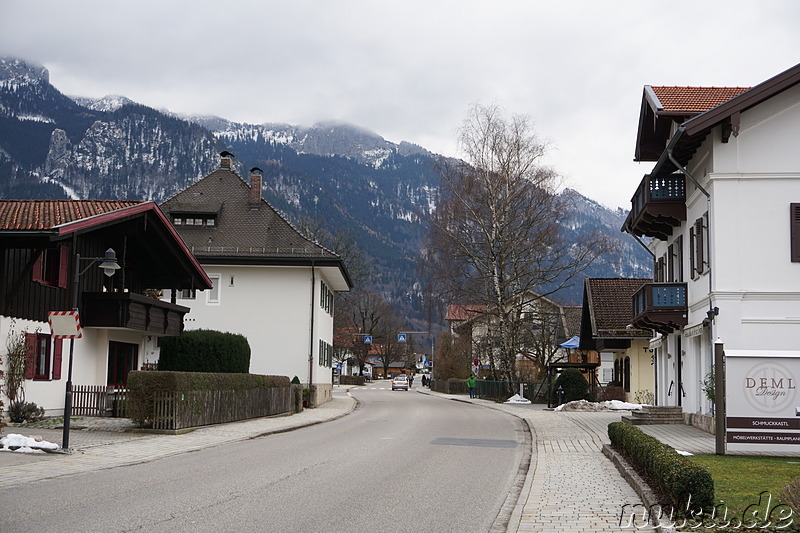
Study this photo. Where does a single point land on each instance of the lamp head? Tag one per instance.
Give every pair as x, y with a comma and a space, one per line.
109, 264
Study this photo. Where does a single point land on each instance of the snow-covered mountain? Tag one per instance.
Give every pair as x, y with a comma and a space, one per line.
53, 146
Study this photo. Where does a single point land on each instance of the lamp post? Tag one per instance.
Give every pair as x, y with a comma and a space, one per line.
109, 266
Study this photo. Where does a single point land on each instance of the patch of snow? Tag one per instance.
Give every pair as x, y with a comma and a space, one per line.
20, 443
36, 118
610, 405
518, 399
681, 452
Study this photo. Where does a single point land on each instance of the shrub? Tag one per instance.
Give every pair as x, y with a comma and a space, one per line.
144, 386
352, 380
25, 411
574, 385
612, 392
205, 350
791, 495
677, 477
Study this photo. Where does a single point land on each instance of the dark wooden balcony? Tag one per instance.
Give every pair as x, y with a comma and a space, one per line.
131, 311
658, 206
660, 306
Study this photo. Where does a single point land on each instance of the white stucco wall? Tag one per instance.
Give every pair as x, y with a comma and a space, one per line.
271, 306
752, 179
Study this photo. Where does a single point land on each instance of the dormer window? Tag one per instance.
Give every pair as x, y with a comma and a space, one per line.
194, 220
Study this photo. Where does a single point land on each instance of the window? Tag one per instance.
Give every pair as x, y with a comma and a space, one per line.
194, 220
188, 294
325, 298
698, 246
677, 259
325, 354
177, 221
43, 355
122, 358
795, 232
51, 267
212, 297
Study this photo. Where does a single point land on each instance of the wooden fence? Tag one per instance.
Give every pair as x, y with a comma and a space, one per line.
98, 400
179, 410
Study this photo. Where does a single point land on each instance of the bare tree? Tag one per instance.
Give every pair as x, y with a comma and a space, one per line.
495, 236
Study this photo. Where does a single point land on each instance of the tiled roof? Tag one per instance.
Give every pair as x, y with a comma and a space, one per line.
693, 100
611, 307
239, 231
37, 215
464, 312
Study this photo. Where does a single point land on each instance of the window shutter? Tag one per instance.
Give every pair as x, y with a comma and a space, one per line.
698, 236
795, 225
30, 355
63, 266
58, 345
38, 268
692, 269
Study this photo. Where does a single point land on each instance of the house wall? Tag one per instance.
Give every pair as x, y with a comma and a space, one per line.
271, 306
752, 179
90, 361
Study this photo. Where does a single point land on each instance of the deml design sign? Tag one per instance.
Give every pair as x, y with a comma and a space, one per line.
762, 400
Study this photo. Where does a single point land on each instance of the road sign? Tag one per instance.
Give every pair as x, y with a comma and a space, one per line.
65, 324
367, 339
401, 337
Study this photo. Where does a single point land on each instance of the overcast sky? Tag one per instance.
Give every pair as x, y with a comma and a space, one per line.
409, 70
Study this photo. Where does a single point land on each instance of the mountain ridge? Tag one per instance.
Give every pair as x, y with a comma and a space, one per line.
352, 179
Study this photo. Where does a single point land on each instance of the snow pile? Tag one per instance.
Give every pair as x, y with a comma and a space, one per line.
681, 452
19, 443
609, 405
518, 399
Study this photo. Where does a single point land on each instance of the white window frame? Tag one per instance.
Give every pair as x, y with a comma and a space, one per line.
214, 296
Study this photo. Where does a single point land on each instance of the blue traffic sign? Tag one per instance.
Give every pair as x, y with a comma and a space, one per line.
401, 337
367, 339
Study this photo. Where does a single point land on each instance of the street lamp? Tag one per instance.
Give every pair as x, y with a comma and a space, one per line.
109, 266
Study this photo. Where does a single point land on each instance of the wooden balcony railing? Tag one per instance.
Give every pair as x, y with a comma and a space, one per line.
658, 206
131, 311
660, 306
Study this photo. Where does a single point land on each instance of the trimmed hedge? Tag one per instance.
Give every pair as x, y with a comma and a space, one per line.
143, 385
678, 477
352, 380
205, 350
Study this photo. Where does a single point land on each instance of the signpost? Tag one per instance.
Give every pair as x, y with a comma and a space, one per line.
401, 337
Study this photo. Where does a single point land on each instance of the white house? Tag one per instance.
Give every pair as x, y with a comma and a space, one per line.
722, 206
50, 251
271, 284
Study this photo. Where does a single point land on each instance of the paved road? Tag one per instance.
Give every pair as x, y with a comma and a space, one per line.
400, 462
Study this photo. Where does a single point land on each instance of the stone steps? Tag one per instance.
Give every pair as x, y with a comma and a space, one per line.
651, 415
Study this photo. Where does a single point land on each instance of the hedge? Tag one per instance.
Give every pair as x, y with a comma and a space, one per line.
678, 477
143, 385
205, 350
352, 380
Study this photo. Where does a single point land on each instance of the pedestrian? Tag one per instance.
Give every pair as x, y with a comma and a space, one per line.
471, 383
423, 380
411, 380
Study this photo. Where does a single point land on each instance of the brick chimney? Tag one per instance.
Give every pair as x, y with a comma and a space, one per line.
226, 160
255, 188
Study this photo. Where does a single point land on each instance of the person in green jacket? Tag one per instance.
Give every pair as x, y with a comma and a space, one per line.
471, 383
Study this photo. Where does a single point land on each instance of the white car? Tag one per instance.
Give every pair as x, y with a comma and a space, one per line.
400, 382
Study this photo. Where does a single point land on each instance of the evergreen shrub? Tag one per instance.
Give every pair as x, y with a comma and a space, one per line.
574, 385
678, 477
205, 350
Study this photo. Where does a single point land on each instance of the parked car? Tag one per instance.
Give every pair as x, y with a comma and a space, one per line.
400, 382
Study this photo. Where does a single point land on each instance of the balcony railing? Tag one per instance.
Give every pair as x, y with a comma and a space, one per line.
660, 306
131, 311
658, 206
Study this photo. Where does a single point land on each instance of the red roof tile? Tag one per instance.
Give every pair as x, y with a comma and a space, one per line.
610, 306
33, 215
464, 312
693, 99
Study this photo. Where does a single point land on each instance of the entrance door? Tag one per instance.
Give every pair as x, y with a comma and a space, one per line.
122, 358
